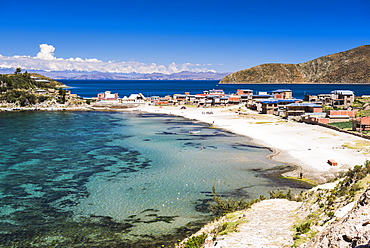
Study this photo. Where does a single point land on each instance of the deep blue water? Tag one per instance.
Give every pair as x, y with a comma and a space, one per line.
90, 88
111, 179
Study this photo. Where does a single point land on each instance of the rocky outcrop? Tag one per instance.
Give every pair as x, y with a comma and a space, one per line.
347, 67
352, 230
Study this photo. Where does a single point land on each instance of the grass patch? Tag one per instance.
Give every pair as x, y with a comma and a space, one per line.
360, 144
362, 113
305, 180
347, 125
331, 133
229, 227
263, 122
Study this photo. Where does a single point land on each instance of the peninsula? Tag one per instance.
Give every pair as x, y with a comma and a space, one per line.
348, 67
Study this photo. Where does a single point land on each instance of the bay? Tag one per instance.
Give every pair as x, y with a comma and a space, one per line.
112, 179
90, 88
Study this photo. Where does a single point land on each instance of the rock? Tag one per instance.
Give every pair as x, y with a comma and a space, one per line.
352, 230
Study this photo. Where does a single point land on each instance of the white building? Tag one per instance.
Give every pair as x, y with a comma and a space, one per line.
107, 96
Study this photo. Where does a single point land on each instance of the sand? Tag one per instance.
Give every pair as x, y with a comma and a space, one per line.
309, 147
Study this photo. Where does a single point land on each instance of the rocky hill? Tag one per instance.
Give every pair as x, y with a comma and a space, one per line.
348, 67
352, 230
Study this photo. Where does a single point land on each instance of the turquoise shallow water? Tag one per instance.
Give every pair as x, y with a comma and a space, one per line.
106, 179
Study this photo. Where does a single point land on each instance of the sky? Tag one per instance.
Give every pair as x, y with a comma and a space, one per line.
171, 36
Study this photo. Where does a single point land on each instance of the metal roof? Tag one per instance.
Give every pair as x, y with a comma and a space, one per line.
273, 101
305, 104
343, 92
281, 90
289, 100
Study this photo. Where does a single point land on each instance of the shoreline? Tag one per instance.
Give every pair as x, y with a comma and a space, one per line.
307, 147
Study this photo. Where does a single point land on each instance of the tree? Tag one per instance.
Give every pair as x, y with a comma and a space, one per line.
62, 96
17, 71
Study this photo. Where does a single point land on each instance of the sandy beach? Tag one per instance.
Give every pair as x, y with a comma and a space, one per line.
309, 147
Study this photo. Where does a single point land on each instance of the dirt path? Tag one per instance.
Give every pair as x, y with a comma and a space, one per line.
269, 225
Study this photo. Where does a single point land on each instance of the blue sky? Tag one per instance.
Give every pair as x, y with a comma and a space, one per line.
225, 36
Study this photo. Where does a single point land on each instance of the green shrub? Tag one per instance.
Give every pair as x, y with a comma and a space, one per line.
196, 241
303, 227
222, 206
280, 194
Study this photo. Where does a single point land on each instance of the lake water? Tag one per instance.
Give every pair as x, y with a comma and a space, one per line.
110, 179
90, 88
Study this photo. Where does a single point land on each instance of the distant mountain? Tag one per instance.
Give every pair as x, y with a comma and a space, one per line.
83, 75
349, 67
185, 75
94, 76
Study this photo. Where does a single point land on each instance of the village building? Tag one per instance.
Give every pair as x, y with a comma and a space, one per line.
234, 99
241, 92
361, 124
41, 92
107, 96
254, 102
135, 98
342, 98
200, 99
315, 118
192, 99
330, 116
267, 106
245, 94
311, 98
166, 100
153, 100
180, 99
298, 109
224, 100
275, 106
210, 99
214, 92
36, 79
282, 94
325, 98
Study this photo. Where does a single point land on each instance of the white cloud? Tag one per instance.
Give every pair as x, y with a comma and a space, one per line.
45, 60
46, 52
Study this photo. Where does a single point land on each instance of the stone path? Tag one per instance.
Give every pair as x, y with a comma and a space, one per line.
269, 225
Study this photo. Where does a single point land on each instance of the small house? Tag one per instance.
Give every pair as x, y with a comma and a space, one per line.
342, 98
136, 98
282, 94
107, 96
298, 109
361, 124
234, 99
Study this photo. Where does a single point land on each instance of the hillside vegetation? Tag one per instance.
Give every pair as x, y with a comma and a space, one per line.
347, 67
20, 88
331, 215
